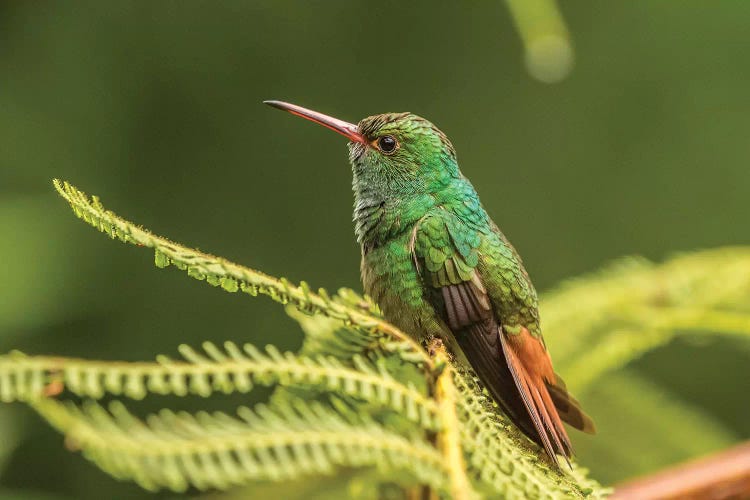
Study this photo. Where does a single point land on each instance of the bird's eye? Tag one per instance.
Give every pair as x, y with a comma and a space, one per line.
387, 144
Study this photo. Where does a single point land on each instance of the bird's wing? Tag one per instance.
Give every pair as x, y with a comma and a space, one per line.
516, 368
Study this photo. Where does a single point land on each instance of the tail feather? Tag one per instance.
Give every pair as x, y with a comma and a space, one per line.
552, 423
525, 386
557, 423
529, 365
569, 408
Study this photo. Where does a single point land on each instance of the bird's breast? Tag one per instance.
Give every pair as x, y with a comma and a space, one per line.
390, 277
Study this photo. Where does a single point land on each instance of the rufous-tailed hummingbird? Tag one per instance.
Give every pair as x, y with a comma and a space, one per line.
437, 265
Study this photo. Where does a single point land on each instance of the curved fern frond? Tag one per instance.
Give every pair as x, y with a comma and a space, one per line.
634, 306
232, 370
178, 450
232, 277
504, 461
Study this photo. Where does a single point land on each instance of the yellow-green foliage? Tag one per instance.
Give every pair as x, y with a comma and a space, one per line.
601, 322
361, 399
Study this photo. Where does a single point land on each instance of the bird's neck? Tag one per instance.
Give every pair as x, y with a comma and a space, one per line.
379, 218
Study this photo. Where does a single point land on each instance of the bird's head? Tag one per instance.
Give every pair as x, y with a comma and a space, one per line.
395, 154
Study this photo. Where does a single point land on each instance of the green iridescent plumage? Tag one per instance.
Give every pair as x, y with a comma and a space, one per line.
438, 266
415, 203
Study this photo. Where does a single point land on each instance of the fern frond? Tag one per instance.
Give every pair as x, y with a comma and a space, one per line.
504, 461
232, 370
232, 277
330, 336
178, 450
326, 336
635, 306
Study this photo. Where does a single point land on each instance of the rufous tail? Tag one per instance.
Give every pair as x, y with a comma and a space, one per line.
543, 393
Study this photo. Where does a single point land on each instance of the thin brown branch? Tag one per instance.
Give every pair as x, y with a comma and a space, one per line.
722, 476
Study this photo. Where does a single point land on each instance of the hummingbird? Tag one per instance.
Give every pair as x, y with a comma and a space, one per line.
438, 266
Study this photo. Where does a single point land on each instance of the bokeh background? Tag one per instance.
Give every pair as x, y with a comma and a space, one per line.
156, 107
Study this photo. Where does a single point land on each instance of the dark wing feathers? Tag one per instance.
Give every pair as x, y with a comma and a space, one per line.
481, 344
462, 307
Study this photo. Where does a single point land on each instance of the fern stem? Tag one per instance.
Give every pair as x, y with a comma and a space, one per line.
722, 475
547, 46
449, 440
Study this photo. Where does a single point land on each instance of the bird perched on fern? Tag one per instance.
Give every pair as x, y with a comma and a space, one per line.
438, 266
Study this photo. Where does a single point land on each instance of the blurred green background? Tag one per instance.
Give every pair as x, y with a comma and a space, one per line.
156, 107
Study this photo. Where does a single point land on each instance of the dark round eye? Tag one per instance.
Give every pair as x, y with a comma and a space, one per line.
387, 144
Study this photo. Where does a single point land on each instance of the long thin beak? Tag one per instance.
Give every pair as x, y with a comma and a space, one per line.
348, 130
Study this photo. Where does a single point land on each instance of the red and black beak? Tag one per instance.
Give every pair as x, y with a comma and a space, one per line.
348, 130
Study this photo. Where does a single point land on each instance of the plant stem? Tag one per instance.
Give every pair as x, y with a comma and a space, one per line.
448, 439
724, 475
